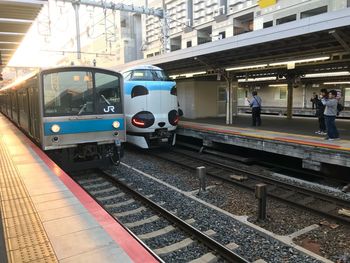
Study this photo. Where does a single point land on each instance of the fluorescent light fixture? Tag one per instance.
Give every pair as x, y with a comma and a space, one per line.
336, 82
11, 43
188, 75
278, 85
327, 74
299, 61
247, 67
257, 79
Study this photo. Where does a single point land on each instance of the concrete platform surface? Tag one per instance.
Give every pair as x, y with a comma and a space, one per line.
47, 217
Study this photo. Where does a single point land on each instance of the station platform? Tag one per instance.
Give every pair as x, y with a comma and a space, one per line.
47, 217
295, 137
309, 112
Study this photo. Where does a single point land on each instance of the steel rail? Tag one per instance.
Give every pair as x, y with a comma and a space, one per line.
272, 182
222, 251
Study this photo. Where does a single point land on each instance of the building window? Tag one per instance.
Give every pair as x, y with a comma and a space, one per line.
348, 3
222, 35
243, 24
286, 19
313, 12
149, 55
175, 43
189, 44
268, 24
204, 35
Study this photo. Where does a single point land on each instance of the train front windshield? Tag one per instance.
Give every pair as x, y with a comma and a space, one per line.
81, 93
146, 75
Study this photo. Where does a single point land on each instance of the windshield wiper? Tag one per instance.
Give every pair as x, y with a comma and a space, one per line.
104, 98
82, 109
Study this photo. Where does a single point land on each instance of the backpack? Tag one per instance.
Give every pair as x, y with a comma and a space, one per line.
339, 108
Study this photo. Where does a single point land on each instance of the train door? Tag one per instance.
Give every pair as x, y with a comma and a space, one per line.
30, 125
34, 112
14, 107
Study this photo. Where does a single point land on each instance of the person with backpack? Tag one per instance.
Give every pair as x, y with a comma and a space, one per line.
330, 114
255, 104
320, 113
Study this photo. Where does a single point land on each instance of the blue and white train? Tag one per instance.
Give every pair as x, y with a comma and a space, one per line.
151, 106
74, 114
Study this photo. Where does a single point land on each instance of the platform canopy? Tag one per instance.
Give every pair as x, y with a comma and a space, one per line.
16, 17
325, 35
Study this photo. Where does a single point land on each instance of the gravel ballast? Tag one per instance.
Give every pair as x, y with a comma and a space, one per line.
282, 218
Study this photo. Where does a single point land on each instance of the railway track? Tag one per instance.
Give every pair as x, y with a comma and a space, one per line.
249, 176
167, 235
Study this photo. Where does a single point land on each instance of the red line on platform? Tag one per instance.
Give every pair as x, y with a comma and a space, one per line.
127, 242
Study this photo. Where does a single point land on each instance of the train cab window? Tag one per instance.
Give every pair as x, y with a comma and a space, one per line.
148, 75
68, 93
127, 75
108, 93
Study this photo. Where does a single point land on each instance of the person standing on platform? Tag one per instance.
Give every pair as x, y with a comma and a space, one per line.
314, 100
255, 103
320, 113
330, 114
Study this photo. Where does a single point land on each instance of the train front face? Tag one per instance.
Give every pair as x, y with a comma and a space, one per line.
83, 118
151, 107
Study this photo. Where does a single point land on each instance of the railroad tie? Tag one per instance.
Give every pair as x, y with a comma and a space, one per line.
206, 258
231, 246
163, 231
179, 245
113, 188
90, 180
106, 198
156, 233
130, 212
92, 186
142, 222
127, 202
173, 247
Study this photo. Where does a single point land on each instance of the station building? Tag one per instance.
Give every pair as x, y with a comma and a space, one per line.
200, 25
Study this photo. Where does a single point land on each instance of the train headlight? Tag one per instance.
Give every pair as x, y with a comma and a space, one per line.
116, 124
55, 128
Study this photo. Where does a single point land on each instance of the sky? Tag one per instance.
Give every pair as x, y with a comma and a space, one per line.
54, 31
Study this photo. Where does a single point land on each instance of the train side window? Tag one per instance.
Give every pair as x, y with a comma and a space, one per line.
138, 91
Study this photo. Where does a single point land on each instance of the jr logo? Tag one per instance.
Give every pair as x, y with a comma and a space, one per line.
109, 108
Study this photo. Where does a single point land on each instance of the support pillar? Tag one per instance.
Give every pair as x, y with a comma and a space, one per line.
290, 80
231, 98
305, 98
77, 28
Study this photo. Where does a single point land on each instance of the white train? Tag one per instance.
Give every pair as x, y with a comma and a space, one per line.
151, 106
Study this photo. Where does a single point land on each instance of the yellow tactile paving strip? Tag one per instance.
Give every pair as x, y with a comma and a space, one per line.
25, 237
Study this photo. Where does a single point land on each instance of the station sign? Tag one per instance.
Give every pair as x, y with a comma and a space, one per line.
266, 3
